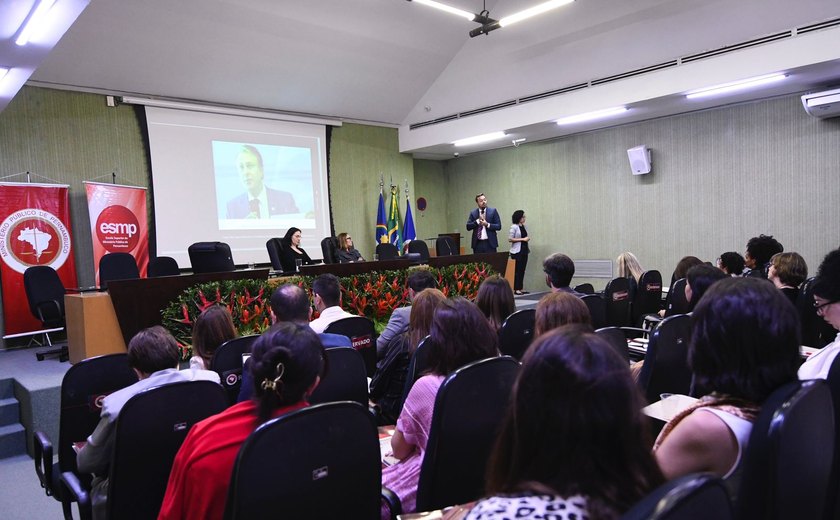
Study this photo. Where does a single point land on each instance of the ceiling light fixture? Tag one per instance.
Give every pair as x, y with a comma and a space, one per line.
3, 72
489, 24
533, 11
35, 22
483, 138
735, 86
443, 7
591, 116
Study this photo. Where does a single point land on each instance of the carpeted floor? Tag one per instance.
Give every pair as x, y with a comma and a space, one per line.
21, 496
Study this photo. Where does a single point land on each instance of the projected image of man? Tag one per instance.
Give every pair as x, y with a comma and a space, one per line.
259, 201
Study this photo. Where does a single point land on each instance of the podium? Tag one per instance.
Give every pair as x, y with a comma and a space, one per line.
92, 327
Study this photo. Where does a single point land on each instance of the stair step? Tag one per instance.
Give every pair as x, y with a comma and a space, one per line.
9, 411
7, 388
12, 441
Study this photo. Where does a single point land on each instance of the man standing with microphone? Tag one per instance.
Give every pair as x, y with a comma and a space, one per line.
484, 222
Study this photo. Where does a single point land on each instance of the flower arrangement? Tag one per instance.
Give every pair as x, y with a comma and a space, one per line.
374, 295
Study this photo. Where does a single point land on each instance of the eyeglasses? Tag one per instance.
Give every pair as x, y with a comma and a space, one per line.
820, 307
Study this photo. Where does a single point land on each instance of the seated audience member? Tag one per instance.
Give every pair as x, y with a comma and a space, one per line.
698, 279
460, 335
495, 300
557, 309
153, 354
574, 442
744, 345
290, 304
346, 251
731, 263
327, 290
418, 280
787, 272
826, 297
292, 252
685, 263
559, 270
757, 257
388, 383
213, 327
287, 363
630, 268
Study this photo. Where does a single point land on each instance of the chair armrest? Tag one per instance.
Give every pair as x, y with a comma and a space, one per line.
77, 493
43, 460
393, 501
637, 330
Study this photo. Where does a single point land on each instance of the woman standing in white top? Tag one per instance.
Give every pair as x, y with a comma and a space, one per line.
827, 304
518, 238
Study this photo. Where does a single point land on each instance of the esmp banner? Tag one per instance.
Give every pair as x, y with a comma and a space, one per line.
34, 230
118, 222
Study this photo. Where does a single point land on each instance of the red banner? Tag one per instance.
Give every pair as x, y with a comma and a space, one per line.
34, 230
118, 222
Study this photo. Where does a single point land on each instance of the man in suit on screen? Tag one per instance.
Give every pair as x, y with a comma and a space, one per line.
258, 201
484, 222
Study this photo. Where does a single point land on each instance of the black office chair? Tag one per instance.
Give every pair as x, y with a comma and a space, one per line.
617, 298
585, 288
211, 257
516, 333
345, 379
418, 364
387, 251
815, 331
787, 463
150, 429
319, 462
227, 362
445, 246
617, 340
648, 296
329, 249
597, 309
45, 295
676, 304
833, 503
362, 334
275, 251
163, 266
117, 266
469, 408
698, 496
418, 246
666, 360
83, 387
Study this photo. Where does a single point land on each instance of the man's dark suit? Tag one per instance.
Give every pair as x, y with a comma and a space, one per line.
492, 217
279, 203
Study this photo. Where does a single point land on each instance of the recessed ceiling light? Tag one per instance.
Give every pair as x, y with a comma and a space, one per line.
591, 116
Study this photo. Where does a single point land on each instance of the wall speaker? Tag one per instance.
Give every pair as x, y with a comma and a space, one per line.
640, 162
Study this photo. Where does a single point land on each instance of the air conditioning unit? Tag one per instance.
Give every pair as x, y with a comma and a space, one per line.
822, 104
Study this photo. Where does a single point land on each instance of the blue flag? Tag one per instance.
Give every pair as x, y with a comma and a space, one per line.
394, 221
408, 229
381, 227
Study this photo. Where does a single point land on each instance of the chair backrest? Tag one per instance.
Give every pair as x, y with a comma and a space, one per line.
345, 380
585, 288
210, 257
329, 249
648, 296
788, 460
45, 294
387, 251
227, 362
163, 266
617, 340
815, 331
697, 496
617, 298
677, 304
597, 309
319, 462
833, 493
516, 333
275, 248
418, 364
362, 334
666, 360
84, 386
419, 246
445, 246
469, 409
117, 266
150, 429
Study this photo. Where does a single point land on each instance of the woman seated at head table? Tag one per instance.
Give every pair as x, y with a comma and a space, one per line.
346, 251
292, 252
287, 363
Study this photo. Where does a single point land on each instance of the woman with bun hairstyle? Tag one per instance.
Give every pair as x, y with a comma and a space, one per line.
287, 363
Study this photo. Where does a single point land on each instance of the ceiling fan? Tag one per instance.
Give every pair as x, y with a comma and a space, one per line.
489, 24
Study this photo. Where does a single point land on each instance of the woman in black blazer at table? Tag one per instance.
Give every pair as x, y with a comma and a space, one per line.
292, 251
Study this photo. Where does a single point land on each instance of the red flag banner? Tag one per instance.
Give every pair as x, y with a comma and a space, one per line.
118, 222
34, 230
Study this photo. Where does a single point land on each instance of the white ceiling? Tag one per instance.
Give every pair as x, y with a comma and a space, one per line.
398, 63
